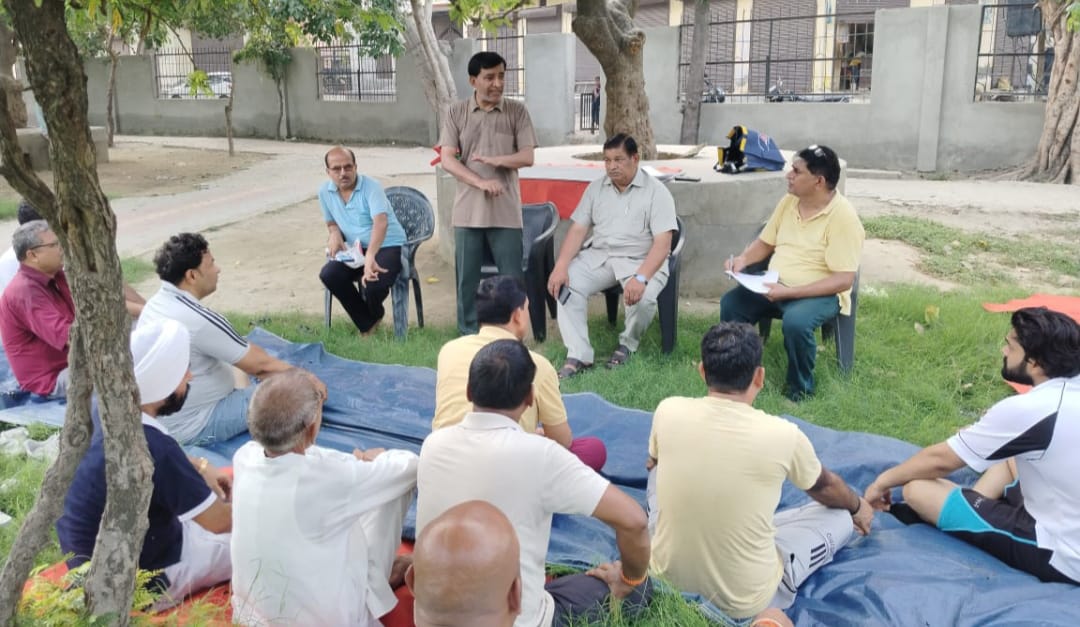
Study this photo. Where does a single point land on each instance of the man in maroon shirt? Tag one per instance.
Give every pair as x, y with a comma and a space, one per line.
36, 312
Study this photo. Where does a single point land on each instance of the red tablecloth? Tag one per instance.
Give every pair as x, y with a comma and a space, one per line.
563, 184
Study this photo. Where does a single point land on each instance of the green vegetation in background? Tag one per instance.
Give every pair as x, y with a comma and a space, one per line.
970, 258
9, 209
136, 269
926, 362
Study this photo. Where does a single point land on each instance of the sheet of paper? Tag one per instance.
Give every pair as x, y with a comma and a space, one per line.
756, 282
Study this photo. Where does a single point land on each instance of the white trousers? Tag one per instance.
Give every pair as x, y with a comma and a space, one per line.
591, 272
204, 562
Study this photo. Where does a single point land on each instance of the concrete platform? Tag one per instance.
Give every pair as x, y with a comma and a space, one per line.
722, 212
36, 146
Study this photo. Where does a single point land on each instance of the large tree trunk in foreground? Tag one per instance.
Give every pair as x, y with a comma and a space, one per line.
434, 66
695, 78
606, 27
1057, 158
82, 219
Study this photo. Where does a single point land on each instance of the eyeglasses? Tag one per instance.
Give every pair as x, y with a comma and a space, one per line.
348, 167
816, 150
55, 244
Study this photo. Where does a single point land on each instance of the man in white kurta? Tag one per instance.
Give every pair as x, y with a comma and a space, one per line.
315, 529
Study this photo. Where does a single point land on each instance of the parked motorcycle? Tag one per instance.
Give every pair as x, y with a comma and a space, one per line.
777, 93
712, 93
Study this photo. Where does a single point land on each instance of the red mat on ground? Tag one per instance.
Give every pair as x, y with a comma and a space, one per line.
1068, 305
400, 616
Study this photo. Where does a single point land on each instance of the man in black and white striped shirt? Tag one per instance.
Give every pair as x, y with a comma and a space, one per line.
215, 409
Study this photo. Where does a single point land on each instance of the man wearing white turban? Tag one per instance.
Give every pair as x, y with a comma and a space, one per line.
190, 517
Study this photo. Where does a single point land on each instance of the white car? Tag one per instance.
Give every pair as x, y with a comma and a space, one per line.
220, 85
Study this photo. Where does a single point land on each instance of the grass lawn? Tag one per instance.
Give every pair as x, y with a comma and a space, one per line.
926, 362
8, 208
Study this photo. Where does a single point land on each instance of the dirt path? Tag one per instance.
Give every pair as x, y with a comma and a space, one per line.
262, 219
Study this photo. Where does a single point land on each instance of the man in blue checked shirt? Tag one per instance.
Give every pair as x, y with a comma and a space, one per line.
364, 241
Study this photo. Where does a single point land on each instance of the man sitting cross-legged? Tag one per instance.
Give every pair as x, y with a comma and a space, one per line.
723, 538
316, 529
217, 410
502, 310
187, 538
488, 456
1025, 510
466, 570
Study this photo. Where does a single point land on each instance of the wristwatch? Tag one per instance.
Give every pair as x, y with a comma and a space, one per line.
641, 278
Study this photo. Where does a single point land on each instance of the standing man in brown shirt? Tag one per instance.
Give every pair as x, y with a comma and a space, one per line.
484, 140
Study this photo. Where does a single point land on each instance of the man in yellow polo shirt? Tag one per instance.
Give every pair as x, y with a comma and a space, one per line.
717, 468
502, 311
815, 239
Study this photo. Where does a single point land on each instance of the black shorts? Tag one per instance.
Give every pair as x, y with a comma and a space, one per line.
1001, 527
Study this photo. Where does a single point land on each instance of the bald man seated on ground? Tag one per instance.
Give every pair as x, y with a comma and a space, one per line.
316, 529
465, 570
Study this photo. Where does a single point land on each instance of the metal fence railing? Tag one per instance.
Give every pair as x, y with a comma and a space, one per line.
1015, 55
173, 66
344, 74
823, 58
508, 43
588, 115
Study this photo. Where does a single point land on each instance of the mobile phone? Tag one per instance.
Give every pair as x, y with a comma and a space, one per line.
564, 294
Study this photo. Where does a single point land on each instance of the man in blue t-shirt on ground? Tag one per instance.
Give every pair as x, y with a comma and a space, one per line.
364, 242
190, 516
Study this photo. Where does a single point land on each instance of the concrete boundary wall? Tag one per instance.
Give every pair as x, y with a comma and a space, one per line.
921, 115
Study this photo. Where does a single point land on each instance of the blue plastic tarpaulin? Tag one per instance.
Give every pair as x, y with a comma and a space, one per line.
899, 575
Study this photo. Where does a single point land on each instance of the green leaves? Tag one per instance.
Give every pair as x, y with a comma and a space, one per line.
1073, 23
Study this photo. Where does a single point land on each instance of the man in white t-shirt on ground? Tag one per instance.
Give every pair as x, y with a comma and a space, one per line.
1027, 441
717, 466
315, 530
216, 409
487, 456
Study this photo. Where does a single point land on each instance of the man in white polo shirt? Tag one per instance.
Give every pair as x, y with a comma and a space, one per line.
216, 410
1037, 434
316, 529
487, 456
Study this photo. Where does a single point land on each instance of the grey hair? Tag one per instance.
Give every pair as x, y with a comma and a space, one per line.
27, 236
282, 407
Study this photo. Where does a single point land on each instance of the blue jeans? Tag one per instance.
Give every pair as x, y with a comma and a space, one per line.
228, 418
801, 318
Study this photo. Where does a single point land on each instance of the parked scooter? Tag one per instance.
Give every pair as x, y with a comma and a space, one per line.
712, 93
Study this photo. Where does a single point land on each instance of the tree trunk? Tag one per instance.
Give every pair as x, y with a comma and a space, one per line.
432, 62
228, 125
607, 30
280, 88
9, 54
99, 356
1057, 159
110, 94
695, 78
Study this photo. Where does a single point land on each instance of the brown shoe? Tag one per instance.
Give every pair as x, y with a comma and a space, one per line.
572, 367
619, 357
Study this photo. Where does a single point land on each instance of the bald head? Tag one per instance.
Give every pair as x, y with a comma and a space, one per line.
466, 569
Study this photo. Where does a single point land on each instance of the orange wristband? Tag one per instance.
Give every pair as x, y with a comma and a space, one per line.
633, 583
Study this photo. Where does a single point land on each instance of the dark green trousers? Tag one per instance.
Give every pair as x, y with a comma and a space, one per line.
801, 317
469, 245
